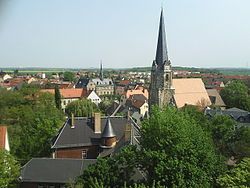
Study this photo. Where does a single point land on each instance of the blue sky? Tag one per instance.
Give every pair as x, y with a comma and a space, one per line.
123, 33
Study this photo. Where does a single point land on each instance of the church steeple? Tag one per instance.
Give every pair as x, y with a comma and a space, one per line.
161, 87
101, 71
161, 52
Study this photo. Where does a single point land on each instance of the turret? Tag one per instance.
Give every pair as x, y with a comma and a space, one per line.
108, 137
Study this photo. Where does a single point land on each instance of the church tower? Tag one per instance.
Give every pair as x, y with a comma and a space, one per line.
161, 86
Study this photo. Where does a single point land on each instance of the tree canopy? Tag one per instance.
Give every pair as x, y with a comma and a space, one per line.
238, 176
32, 120
81, 108
176, 151
68, 76
9, 169
236, 94
58, 98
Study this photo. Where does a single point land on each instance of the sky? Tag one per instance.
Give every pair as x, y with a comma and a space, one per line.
123, 33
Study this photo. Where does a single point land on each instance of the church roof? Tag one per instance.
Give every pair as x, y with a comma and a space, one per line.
215, 97
161, 52
190, 91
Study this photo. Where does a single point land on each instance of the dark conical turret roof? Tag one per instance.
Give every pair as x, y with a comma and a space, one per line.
161, 52
108, 131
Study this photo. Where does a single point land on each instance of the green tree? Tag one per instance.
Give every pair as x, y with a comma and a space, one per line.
81, 108
223, 131
68, 76
238, 176
241, 145
104, 105
9, 169
111, 172
33, 120
176, 151
58, 98
235, 94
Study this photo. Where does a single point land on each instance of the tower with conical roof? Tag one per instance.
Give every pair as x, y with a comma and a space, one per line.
108, 137
161, 86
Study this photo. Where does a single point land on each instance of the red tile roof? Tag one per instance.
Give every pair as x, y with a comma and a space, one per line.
69, 93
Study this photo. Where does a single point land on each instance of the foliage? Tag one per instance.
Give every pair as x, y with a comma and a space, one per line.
104, 105
9, 169
241, 146
111, 172
238, 176
81, 108
176, 151
58, 98
235, 94
33, 120
222, 128
68, 76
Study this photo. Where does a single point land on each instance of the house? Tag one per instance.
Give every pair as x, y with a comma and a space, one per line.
94, 98
137, 90
6, 77
137, 103
121, 87
85, 83
48, 172
68, 95
100, 86
4, 140
216, 99
89, 137
242, 117
190, 91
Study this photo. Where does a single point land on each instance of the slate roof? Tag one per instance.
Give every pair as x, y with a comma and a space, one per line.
105, 81
82, 83
236, 113
161, 52
83, 134
48, 170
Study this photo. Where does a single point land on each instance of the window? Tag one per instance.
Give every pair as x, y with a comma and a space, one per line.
84, 154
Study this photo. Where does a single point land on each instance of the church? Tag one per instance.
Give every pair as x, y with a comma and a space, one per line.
164, 90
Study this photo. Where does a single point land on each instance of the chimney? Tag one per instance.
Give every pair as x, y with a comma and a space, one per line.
97, 122
72, 126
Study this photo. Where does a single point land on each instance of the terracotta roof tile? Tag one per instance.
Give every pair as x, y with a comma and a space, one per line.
190, 91
69, 93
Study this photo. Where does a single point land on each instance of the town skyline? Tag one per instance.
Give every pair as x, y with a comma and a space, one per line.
81, 34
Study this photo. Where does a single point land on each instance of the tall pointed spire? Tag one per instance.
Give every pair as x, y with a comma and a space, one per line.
101, 71
161, 52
